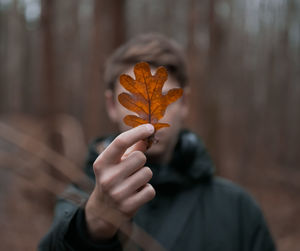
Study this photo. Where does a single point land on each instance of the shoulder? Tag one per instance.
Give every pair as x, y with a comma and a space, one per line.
225, 186
230, 195
242, 210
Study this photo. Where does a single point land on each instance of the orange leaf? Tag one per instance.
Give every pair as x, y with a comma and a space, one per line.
146, 98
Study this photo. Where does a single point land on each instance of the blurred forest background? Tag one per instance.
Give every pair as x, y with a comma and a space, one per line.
244, 63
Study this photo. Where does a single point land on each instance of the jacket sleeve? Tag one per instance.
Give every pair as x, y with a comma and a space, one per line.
68, 231
256, 234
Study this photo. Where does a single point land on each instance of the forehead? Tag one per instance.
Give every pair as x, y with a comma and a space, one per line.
169, 84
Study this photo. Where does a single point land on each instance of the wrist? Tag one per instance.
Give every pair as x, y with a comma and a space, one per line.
97, 227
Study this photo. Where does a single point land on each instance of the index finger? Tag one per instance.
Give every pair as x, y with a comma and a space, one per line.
117, 148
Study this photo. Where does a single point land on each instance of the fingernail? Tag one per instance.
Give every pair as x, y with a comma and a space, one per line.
150, 128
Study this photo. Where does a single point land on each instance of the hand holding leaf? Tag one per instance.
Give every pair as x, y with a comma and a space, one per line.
146, 98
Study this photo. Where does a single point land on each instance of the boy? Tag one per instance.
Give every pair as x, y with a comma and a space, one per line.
168, 191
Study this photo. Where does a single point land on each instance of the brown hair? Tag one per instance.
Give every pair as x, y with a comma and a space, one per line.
155, 49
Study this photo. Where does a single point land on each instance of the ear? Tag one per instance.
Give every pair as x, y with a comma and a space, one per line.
111, 105
185, 102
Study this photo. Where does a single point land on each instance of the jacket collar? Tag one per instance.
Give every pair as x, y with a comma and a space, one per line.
190, 164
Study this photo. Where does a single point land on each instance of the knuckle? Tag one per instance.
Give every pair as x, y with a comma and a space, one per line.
96, 168
120, 142
97, 165
148, 172
140, 157
105, 184
116, 196
150, 191
126, 209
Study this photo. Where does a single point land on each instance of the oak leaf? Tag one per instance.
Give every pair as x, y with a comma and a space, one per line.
145, 97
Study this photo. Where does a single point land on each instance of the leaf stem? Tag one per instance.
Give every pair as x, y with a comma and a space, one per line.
150, 140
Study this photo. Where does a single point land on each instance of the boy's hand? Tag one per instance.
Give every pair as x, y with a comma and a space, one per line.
121, 183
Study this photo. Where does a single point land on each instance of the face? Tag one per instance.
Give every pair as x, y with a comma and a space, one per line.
174, 115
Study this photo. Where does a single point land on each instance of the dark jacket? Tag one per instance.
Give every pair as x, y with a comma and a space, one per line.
192, 210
